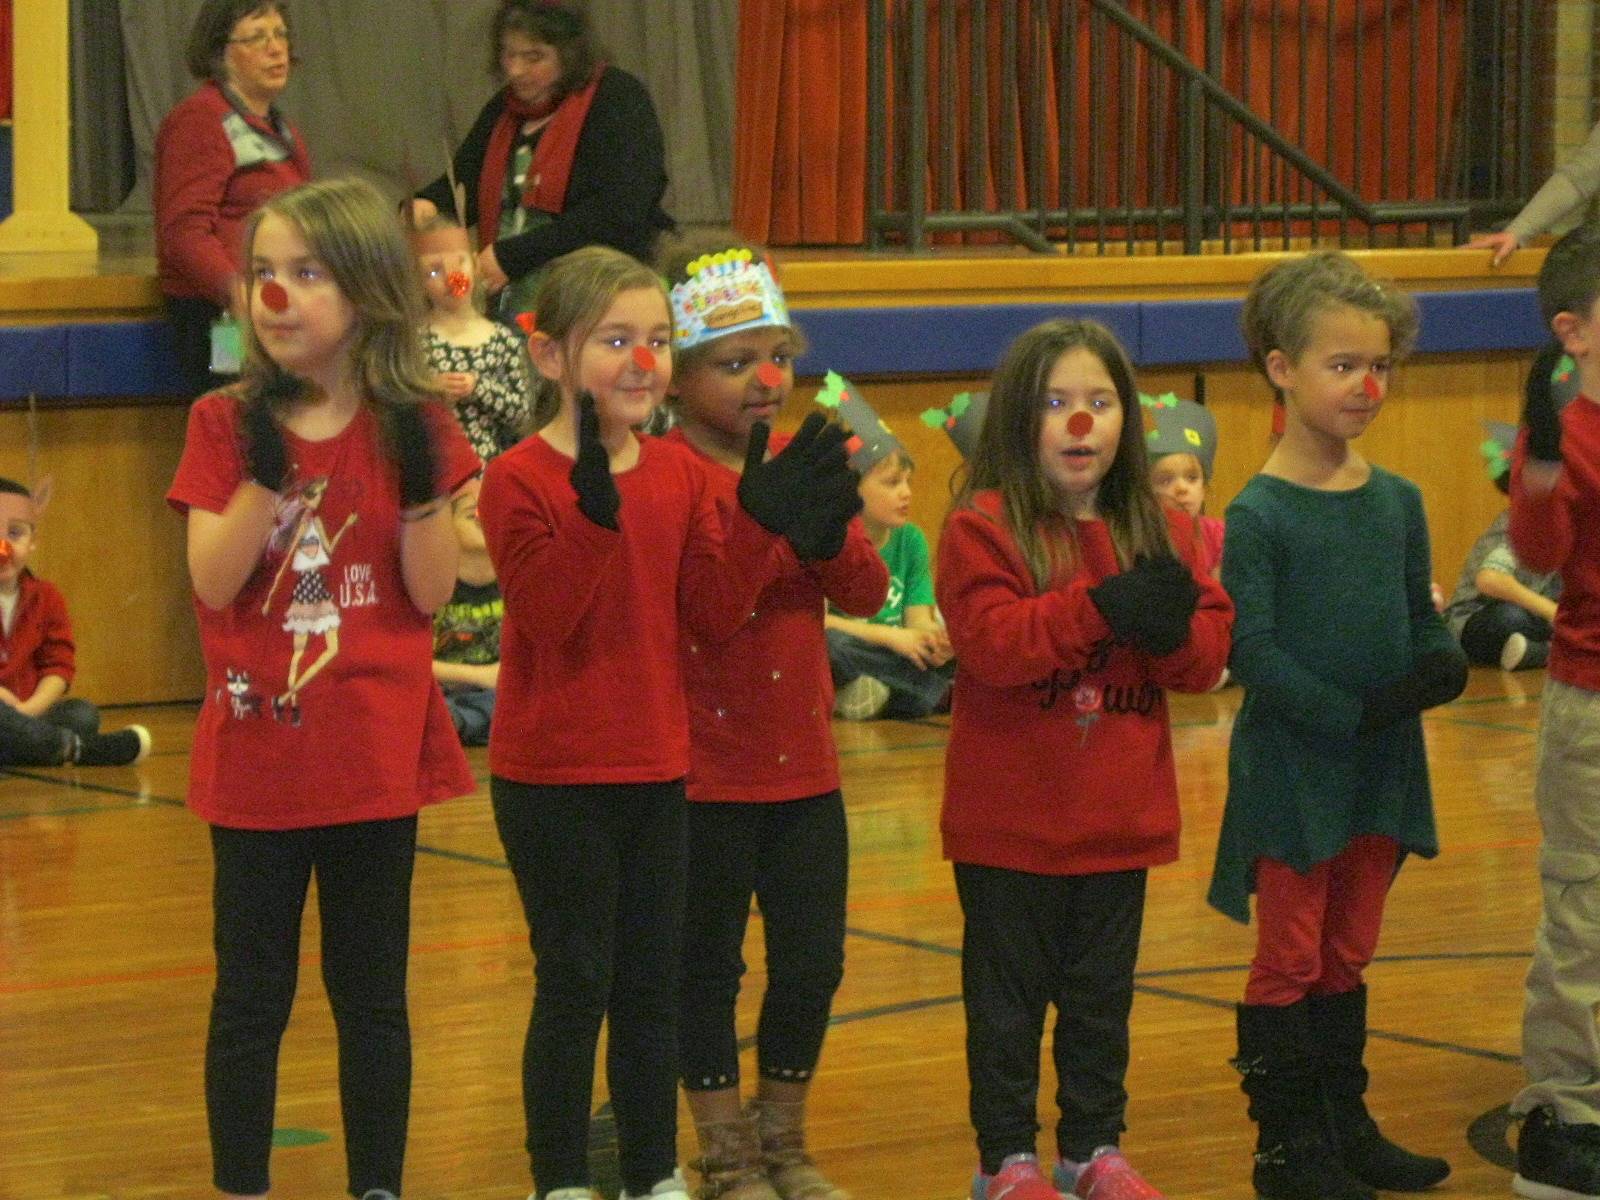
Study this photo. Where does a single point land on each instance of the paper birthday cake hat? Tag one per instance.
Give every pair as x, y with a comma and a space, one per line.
724, 293
1174, 426
870, 440
962, 419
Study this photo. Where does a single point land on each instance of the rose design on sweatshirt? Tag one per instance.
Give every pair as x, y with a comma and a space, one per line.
1086, 699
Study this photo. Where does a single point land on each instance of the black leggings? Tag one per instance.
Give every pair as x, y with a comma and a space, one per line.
793, 858
1032, 941
364, 899
600, 868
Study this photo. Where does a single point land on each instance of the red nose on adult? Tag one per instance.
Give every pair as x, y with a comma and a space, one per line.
1079, 424
768, 375
274, 296
1371, 386
644, 358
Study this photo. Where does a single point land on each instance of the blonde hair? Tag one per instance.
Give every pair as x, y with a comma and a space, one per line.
574, 295
356, 234
1006, 458
1286, 298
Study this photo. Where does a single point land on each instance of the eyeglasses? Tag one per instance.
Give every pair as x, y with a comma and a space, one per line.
260, 41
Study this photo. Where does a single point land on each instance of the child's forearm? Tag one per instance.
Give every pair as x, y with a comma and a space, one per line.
450, 674
1500, 586
51, 688
867, 631
224, 548
429, 555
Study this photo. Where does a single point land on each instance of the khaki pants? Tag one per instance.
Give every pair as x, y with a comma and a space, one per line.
1560, 1041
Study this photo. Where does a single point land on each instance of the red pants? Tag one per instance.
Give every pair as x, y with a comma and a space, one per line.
1318, 931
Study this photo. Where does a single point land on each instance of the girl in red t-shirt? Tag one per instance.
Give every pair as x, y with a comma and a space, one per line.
321, 766
605, 543
1071, 613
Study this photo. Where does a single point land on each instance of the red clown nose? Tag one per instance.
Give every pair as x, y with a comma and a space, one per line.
643, 358
768, 375
458, 283
1371, 386
6, 553
274, 296
1079, 424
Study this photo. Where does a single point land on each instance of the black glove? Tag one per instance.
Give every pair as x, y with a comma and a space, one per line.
813, 467
413, 454
591, 470
1437, 678
1539, 407
266, 455
819, 532
1150, 604
1172, 596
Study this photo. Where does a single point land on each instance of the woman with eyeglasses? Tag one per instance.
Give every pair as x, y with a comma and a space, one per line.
220, 153
567, 154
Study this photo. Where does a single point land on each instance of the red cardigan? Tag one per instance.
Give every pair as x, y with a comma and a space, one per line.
591, 686
761, 702
215, 165
40, 642
1060, 755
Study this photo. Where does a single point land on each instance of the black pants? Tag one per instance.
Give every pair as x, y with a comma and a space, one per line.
364, 900
39, 741
1032, 941
191, 318
793, 858
600, 868
1486, 631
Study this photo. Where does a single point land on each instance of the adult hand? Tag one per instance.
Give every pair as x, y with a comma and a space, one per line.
598, 498
1502, 244
494, 279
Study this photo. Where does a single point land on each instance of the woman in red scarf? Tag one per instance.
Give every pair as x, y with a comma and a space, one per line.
567, 154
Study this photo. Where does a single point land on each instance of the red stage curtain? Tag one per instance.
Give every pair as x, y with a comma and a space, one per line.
801, 105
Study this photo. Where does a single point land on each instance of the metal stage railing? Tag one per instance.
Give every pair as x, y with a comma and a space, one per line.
1166, 126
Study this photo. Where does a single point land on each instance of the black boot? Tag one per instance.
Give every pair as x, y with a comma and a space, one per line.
1293, 1160
1339, 1032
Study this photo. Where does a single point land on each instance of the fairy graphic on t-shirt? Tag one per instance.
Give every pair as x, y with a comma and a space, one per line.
311, 612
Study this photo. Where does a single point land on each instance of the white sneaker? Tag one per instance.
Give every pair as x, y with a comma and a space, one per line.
1513, 652
862, 699
671, 1188
578, 1193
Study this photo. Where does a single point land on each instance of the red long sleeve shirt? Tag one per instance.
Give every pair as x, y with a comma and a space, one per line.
1060, 754
1560, 531
591, 685
761, 702
40, 642
215, 165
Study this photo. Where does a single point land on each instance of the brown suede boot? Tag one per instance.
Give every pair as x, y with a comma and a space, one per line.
730, 1162
781, 1125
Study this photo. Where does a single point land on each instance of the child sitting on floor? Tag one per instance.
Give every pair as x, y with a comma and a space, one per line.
899, 662
39, 727
1181, 440
466, 631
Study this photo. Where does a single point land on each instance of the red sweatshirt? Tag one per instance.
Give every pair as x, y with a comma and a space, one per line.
761, 702
1560, 531
40, 641
215, 165
591, 686
1060, 756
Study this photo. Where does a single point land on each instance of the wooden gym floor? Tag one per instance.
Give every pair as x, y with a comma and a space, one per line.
105, 979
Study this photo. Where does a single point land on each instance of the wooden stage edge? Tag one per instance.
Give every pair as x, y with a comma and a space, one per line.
40, 288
